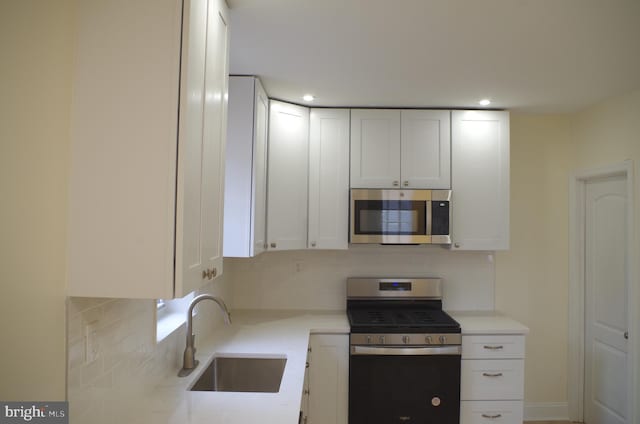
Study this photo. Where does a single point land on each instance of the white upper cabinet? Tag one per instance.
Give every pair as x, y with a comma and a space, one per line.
141, 197
425, 153
480, 180
288, 167
400, 148
246, 168
375, 148
328, 179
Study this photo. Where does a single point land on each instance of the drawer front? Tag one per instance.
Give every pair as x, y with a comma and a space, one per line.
493, 347
491, 412
492, 379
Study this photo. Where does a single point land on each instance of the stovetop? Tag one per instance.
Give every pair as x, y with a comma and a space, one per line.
401, 320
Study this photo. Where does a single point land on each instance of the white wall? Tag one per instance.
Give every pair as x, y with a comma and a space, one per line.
532, 277
36, 41
317, 279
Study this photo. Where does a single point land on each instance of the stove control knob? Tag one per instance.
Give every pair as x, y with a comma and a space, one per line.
381, 339
442, 339
405, 339
429, 340
368, 339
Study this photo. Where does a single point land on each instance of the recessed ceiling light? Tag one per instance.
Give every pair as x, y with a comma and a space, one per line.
485, 102
308, 98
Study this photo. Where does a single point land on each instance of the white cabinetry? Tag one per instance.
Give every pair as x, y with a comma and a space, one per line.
246, 168
288, 165
328, 179
392, 148
328, 379
139, 195
375, 148
492, 379
480, 180
425, 153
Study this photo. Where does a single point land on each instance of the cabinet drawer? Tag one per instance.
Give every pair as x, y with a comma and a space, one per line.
491, 412
493, 347
492, 379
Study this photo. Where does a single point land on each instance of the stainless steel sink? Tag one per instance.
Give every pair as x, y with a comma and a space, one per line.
241, 374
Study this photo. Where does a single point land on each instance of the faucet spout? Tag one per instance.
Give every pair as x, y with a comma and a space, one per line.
189, 361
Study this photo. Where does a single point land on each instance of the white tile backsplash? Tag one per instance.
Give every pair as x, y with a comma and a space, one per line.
128, 362
317, 279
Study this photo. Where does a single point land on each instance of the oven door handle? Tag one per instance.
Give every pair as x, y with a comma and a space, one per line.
406, 351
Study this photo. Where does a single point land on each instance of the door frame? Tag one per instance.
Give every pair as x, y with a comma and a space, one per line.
576, 336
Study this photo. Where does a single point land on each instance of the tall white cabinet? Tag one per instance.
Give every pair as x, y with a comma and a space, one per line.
246, 168
480, 180
288, 165
328, 179
392, 148
140, 196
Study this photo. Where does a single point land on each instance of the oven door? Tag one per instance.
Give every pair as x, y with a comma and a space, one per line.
390, 216
396, 385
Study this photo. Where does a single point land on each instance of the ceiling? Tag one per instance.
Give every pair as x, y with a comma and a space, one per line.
526, 55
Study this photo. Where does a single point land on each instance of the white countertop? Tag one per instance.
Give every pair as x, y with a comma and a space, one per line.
270, 334
487, 322
253, 333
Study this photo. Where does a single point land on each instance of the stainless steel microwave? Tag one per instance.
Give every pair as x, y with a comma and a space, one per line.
400, 216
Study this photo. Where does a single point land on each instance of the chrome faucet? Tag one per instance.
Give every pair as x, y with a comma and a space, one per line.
189, 358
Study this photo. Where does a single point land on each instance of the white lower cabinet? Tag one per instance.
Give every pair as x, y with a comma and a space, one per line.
492, 379
328, 379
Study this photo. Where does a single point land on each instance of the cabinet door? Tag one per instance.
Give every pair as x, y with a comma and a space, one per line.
288, 166
480, 180
199, 244
425, 153
190, 261
245, 168
375, 148
329, 379
259, 206
328, 179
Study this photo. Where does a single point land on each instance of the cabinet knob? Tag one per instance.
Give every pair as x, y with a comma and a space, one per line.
313, 244
209, 274
214, 273
205, 274
405, 183
396, 183
456, 245
273, 245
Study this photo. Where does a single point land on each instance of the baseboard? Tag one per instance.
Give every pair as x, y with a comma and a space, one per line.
546, 411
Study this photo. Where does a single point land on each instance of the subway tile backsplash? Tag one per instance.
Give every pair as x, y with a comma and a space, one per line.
125, 362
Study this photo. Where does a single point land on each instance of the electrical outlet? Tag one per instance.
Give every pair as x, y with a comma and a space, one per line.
91, 344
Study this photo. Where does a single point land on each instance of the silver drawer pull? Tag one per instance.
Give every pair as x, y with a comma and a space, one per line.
491, 417
493, 347
488, 374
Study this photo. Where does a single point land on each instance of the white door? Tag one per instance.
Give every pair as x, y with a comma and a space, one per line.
288, 166
425, 153
375, 148
329, 179
606, 369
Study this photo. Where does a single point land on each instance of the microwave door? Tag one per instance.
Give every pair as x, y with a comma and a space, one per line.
390, 217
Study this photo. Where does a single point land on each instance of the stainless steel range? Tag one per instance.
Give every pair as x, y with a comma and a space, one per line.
404, 365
